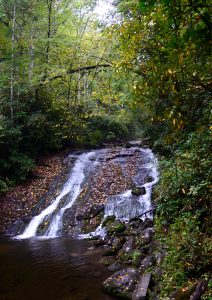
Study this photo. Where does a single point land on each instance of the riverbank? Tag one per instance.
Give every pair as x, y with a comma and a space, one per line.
20, 200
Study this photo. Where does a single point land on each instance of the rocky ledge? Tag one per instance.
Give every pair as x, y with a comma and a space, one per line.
131, 253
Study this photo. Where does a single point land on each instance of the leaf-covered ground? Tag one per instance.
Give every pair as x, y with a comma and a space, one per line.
20, 200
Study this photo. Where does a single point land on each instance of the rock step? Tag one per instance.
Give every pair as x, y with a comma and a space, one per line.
140, 292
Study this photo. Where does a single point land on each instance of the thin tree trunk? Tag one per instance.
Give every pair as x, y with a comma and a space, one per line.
31, 55
12, 63
49, 5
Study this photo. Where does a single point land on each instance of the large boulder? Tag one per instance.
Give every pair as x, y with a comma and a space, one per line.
122, 283
127, 250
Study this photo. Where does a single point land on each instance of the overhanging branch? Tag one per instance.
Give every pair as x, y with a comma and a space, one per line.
80, 70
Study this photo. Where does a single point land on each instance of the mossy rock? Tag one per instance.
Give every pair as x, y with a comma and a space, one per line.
113, 226
109, 219
136, 258
122, 283
138, 191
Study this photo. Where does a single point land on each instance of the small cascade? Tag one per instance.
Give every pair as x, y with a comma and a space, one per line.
59, 218
71, 190
126, 206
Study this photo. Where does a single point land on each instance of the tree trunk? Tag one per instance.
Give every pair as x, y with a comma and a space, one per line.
49, 6
12, 63
31, 55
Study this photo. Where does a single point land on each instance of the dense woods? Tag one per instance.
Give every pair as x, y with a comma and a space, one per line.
70, 79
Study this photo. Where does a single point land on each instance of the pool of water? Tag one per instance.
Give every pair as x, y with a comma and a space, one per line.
53, 269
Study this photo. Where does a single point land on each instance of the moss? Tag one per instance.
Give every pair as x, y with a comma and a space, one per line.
113, 225
136, 258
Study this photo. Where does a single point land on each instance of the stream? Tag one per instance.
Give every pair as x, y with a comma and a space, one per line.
53, 269
52, 258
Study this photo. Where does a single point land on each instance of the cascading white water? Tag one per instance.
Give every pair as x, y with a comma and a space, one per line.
71, 189
126, 206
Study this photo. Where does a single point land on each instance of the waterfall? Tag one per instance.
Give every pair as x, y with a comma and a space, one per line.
125, 206
71, 191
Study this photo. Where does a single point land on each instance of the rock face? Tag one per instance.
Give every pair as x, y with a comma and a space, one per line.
91, 213
140, 292
122, 283
17, 227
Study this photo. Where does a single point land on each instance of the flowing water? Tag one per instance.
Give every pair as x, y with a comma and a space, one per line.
41, 264
84, 164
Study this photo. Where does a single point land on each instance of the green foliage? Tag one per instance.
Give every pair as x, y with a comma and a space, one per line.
184, 211
105, 129
188, 252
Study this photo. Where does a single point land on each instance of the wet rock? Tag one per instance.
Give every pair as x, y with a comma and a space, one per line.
96, 274
147, 223
99, 243
122, 283
135, 223
84, 297
146, 263
109, 251
124, 153
148, 179
128, 245
115, 243
17, 227
114, 226
128, 145
140, 292
113, 246
91, 213
158, 257
126, 252
108, 220
138, 191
